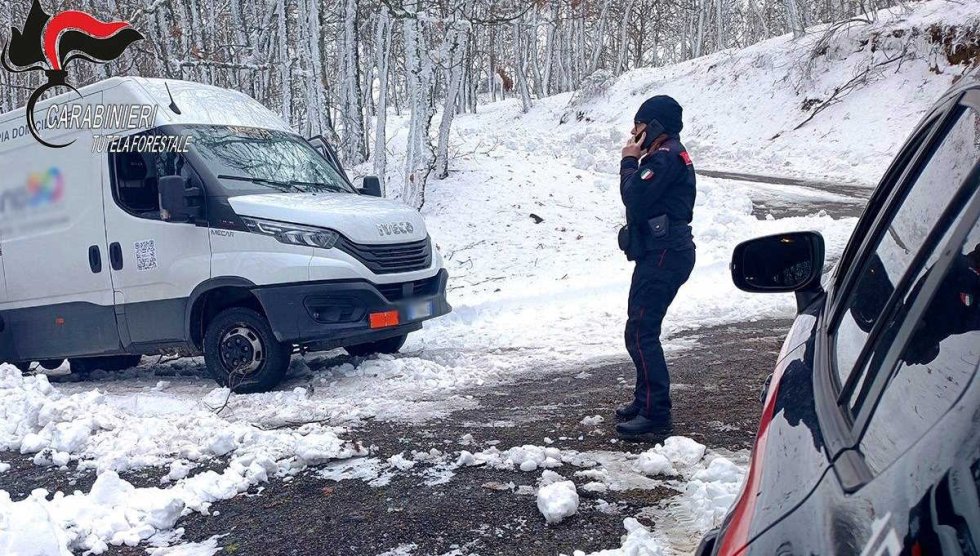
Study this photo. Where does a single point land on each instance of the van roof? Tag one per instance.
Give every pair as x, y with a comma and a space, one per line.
197, 103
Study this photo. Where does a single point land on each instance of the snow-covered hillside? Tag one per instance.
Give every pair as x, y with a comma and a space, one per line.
867, 82
527, 223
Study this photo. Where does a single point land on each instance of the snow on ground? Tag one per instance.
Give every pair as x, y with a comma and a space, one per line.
531, 294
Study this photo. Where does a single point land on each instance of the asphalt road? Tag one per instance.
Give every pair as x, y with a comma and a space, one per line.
782, 197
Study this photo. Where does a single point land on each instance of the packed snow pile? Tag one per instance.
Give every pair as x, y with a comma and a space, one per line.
525, 458
557, 500
708, 483
638, 541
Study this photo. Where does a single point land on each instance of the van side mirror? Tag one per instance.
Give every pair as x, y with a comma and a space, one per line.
791, 262
372, 186
174, 195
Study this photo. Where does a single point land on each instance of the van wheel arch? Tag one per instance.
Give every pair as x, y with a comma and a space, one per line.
214, 296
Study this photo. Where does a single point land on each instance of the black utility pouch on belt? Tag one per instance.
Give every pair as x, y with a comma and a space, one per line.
624, 242
659, 226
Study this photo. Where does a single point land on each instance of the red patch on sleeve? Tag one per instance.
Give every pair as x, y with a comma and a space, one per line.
686, 158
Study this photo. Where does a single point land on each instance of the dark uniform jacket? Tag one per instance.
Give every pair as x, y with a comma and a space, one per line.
659, 196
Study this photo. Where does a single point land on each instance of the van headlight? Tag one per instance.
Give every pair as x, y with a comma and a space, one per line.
292, 234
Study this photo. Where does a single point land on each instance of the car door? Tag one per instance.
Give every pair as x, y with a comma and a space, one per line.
802, 427
900, 392
154, 264
58, 299
918, 436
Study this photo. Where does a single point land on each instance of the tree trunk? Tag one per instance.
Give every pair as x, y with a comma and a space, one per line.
382, 43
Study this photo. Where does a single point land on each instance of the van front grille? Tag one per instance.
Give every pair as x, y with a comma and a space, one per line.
407, 290
390, 258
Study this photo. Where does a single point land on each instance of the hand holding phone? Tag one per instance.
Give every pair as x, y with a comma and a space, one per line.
634, 146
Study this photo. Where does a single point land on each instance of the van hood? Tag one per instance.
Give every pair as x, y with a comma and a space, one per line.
360, 218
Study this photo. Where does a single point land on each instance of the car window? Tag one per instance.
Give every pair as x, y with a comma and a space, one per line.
937, 361
136, 178
878, 200
927, 197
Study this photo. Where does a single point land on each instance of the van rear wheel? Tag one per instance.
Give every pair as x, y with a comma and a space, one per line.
388, 345
242, 353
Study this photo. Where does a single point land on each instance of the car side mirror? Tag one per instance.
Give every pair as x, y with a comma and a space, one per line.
372, 186
790, 262
174, 196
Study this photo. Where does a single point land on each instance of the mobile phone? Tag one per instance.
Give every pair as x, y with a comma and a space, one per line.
653, 130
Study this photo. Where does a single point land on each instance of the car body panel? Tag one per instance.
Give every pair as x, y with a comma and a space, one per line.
809, 489
789, 433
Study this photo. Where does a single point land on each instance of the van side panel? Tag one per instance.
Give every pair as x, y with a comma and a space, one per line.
58, 302
4, 339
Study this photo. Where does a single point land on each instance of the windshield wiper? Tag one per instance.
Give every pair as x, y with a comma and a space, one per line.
296, 185
263, 181
318, 185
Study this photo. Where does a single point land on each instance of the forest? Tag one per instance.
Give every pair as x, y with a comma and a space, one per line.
337, 67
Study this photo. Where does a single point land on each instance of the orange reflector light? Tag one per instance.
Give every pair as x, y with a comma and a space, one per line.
384, 320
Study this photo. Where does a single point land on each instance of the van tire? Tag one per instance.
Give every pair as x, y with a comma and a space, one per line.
84, 365
243, 337
388, 345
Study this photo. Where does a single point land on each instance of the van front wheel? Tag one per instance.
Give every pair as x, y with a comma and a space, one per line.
242, 353
388, 345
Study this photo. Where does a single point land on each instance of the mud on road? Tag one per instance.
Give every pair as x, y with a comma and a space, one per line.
717, 375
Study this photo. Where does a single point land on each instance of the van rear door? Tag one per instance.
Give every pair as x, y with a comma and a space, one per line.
155, 264
58, 295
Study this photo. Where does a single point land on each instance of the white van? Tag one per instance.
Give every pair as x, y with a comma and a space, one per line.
249, 246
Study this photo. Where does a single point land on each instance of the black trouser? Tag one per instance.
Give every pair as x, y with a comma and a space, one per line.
656, 279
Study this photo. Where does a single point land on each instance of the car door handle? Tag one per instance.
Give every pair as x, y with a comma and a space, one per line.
95, 259
115, 256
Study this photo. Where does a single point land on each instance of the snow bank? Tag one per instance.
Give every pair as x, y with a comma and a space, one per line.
36, 417
525, 458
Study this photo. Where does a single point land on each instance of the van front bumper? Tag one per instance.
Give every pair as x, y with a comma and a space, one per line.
325, 315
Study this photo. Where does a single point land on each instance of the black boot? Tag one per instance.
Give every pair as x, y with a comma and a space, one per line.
628, 411
641, 426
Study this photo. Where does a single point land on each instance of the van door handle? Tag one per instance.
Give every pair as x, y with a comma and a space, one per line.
95, 259
115, 256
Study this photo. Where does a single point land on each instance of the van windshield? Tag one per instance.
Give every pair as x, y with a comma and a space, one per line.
253, 160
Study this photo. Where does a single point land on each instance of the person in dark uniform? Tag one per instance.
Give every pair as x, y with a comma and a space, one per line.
658, 187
